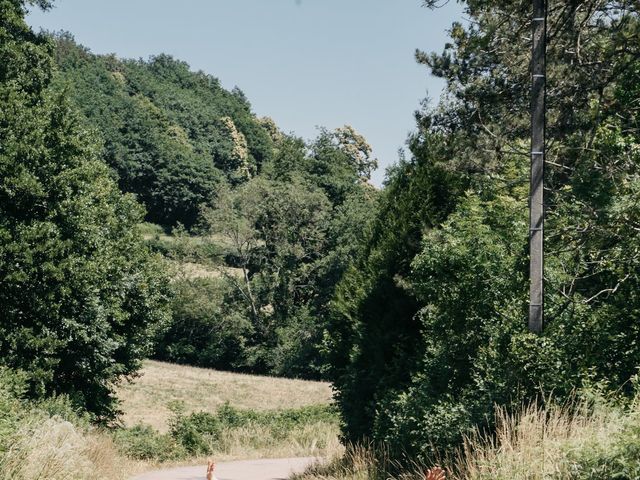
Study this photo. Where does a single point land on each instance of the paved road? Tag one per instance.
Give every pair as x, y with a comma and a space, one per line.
270, 469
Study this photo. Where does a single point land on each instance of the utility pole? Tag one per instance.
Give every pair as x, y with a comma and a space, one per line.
536, 194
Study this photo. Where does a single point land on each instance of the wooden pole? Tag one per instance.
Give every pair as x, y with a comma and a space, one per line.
536, 200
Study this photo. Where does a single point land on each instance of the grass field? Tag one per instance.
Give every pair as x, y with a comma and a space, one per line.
193, 270
146, 399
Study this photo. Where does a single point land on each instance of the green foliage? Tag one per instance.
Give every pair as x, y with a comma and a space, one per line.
204, 433
79, 292
289, 243
368, 357
142, 442
200, 432
277, 234
184, 145
205, 329
338, 162
180, 246
196, 432
428, 329
179, 141
173, 136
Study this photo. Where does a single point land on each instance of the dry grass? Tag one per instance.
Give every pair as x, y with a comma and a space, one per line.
146, 399
54, 449
540, 442
550, 442
312, 440
192, 270
355, 463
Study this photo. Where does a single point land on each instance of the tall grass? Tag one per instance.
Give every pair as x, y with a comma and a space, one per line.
311, 440
590, 438
582, 439
358, 462
54, 449
50, 440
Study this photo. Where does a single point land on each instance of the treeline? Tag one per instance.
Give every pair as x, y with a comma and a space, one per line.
172, 136
285, 215
276, 246
428, 331
94, 146
412, 299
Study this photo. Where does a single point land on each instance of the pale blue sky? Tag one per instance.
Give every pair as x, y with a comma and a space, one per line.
305, 63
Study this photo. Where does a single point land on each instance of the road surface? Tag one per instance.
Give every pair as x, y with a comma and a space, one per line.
268, 469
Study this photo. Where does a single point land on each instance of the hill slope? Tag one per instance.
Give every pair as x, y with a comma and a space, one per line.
145, 400
172, 135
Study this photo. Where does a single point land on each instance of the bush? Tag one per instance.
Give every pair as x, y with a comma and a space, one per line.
203, 433
142, 442
278, 420
197, 432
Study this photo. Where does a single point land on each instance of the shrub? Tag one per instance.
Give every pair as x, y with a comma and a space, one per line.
203, 433
197, 432
142, 442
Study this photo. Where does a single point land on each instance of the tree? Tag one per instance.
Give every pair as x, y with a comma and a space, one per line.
339, 160
358, 150
428, 328
277, 235
173, 136
79, 291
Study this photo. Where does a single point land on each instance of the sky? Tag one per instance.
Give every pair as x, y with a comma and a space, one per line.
304, 63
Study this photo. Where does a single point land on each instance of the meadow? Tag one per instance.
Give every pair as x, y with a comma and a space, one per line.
175, 414
146, 399
172, 415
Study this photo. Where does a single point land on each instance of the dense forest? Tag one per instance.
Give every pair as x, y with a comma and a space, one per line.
268, 221
276, 218
145, 211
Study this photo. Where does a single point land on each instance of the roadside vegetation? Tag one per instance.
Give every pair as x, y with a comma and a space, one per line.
588, 437
52, 439
181, 414
55, 440
231, 433
147, 212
